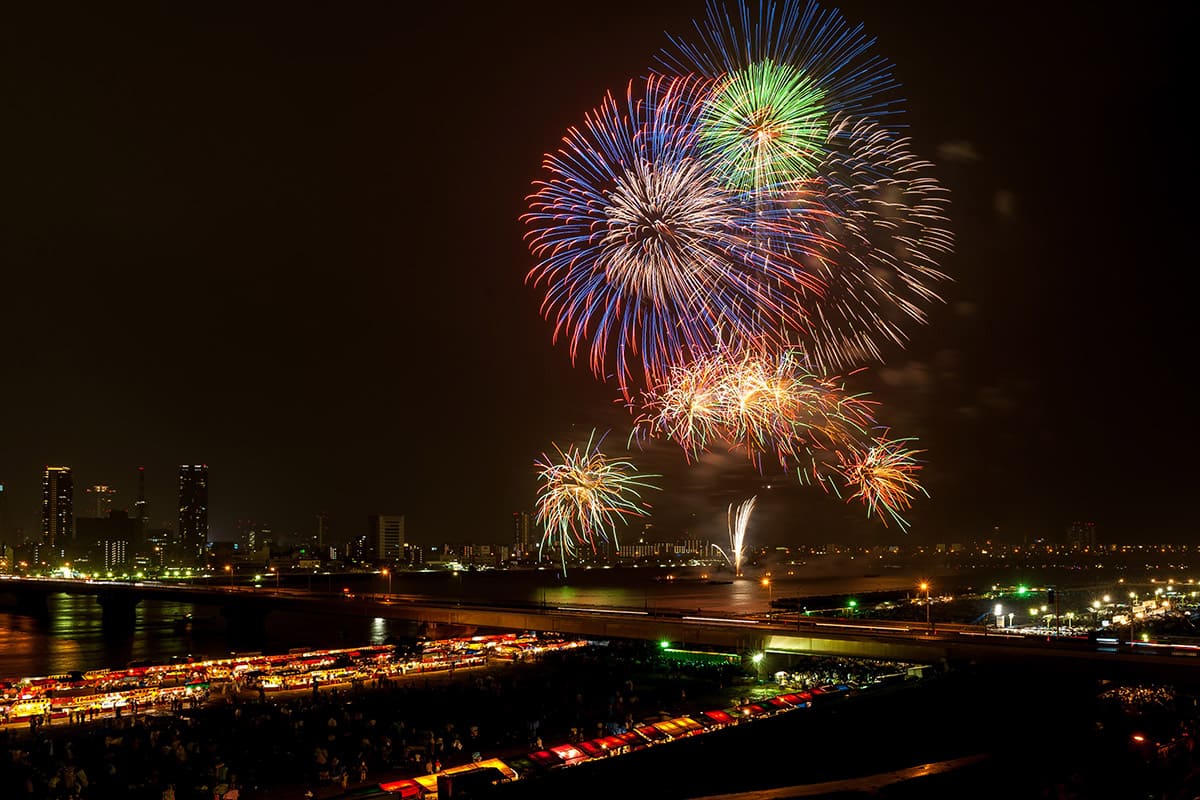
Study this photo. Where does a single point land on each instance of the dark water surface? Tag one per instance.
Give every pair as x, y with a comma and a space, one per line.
72, 636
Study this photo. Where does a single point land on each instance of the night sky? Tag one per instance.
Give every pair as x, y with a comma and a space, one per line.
283, 240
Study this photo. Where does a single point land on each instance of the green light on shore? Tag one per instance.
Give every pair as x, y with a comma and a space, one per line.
853, 604
1022, 590
664, 644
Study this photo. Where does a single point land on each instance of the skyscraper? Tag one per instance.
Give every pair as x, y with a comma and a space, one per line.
140, 505
103, 497
1082, 536
58, 510
109, 540
385, 534
522, 533
252, 535
193, 512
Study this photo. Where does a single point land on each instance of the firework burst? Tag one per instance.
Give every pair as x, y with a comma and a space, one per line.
783, 70
884, 477
764, 125
762, 404
734, 230
885, 223
584, 494
645, 257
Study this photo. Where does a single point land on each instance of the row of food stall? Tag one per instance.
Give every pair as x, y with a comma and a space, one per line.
654, 733
427, 787
79, 696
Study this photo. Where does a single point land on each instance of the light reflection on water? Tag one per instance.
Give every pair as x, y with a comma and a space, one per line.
72, 636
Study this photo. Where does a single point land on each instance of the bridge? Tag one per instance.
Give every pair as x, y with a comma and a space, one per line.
777, 635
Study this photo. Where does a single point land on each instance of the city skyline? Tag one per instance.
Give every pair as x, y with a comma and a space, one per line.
519, 527
347, 330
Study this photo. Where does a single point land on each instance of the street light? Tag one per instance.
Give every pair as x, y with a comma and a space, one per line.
276, 571
757, 658
229, 571
924, 586
766, 582
388, 573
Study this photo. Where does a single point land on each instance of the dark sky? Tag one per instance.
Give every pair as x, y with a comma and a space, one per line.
283, 240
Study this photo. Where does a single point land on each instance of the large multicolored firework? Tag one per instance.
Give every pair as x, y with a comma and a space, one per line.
584, 495
796, 115
741, 226
647, 259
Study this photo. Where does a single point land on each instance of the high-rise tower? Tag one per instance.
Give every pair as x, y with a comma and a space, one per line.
322, 529
386, 536
140, 506
523, 533
103, 497
193, 512
58, 508
1082, 536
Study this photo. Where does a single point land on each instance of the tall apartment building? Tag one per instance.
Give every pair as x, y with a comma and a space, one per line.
58, 510
385, 537
1082, 536
193, 512
102, 496
523, 533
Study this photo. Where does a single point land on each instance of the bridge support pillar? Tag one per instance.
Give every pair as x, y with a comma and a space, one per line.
32, 604
118, 610
245, 624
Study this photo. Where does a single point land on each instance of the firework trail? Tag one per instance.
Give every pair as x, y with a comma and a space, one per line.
646, 258
583, 496
737, 534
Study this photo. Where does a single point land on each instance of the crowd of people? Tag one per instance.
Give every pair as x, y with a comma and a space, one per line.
816, 671
247, 747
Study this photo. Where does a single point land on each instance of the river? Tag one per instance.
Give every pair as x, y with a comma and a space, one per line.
72, 637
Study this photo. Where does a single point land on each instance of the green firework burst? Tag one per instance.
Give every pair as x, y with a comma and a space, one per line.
765, 125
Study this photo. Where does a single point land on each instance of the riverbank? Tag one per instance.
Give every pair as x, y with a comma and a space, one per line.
281, 749
1007, 740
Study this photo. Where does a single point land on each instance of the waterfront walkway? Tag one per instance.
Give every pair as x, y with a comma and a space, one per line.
283, 749
869, 783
